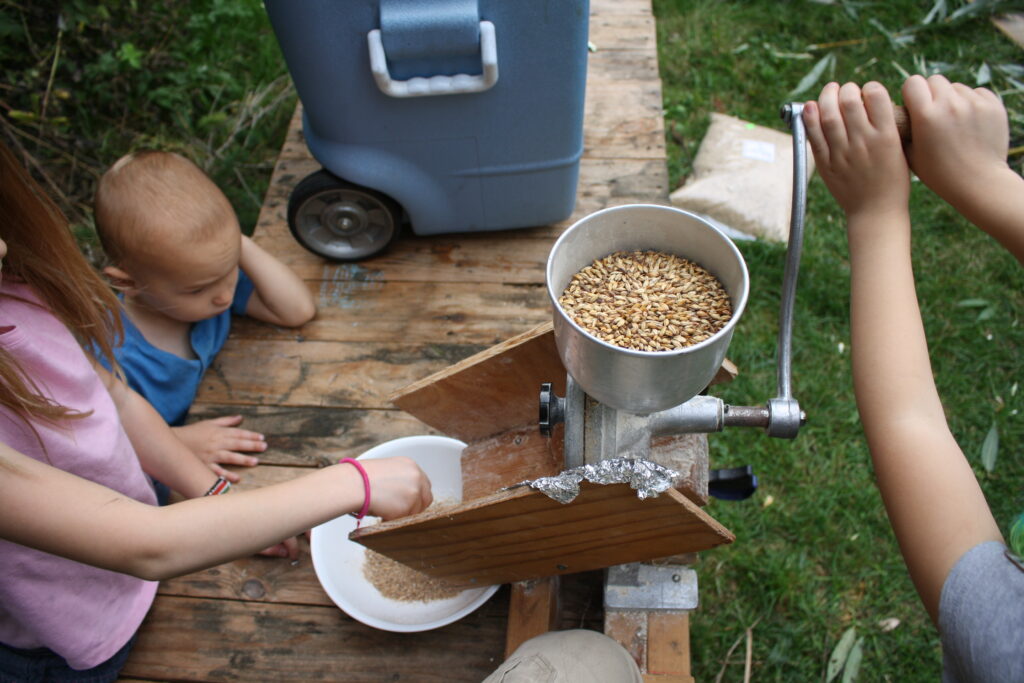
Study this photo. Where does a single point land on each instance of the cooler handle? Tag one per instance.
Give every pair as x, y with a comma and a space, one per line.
436, 85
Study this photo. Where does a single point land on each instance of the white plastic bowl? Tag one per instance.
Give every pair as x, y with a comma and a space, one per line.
339, 562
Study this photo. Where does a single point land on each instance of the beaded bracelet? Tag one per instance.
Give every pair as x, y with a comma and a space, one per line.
366, 488
221, 486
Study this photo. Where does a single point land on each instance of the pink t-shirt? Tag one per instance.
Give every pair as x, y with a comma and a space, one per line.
80, 612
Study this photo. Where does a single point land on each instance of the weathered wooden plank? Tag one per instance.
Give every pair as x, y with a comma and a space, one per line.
228, 640
602, 7
373, 310
668, 643
533, 610
623, 31
254, 579
315, 437
336, 374
508, 459
629, 629
522, 534
490, 392
607, 67
624, 121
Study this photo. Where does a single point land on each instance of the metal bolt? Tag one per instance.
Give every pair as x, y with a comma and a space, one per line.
677, 578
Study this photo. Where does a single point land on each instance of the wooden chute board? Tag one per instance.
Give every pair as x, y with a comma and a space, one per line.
523, 534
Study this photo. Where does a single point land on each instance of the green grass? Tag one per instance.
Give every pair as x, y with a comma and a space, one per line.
821, 557
85, 82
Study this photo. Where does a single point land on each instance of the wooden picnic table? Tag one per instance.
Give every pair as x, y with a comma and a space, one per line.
319, 393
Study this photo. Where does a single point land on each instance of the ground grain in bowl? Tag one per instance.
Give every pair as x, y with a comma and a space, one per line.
399, 582
647, 301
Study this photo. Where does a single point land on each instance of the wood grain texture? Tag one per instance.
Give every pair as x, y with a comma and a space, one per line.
371, 310
522, 534
668, 643
229, 640
629, 629
317, 373
489, 392
510, 458
533, 610
314, 437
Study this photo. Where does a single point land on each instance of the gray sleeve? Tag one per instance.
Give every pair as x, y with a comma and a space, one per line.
981, 617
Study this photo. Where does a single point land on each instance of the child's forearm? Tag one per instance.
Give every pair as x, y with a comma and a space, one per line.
996, 205
100, 527
892, 371
280, 296
931, 496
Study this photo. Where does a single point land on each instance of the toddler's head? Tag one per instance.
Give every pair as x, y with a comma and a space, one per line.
170, 233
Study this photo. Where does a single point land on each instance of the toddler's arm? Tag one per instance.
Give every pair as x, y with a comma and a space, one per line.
931, 496
54, 511
960, 141
280, 296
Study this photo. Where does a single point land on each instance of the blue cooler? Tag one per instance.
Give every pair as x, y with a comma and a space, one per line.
457, 115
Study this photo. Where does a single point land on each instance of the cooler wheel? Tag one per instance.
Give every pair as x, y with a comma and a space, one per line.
339, 220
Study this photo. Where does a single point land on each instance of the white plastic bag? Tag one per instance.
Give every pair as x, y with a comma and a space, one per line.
743, 178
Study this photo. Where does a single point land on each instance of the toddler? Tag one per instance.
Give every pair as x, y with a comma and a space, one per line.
183, 267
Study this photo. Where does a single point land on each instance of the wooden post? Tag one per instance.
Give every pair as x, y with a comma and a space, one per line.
533, 610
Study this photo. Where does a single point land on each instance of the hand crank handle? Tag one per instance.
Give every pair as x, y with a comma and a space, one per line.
786, 418
902, 122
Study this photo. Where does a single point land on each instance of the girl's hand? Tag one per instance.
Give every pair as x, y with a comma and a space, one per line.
961, 136
398, 487
857, 150
219, 442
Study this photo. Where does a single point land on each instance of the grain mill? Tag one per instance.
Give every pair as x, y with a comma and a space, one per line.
586, 491
617, 398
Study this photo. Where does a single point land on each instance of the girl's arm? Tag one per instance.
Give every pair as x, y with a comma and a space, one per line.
46, 508
933, 501
162, 454
280, 296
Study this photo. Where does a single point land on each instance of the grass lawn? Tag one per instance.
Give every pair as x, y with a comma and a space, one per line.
814, 554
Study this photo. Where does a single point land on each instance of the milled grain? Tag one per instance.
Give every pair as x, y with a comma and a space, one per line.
399, 582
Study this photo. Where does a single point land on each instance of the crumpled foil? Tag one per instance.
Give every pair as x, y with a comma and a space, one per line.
647, 478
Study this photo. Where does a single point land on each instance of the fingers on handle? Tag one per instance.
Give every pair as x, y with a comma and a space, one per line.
833, 127
852, 105
815, 136
879, 105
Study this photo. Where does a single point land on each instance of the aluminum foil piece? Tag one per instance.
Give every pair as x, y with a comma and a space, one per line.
647, 478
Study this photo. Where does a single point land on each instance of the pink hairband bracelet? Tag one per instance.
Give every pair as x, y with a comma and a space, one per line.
366, 488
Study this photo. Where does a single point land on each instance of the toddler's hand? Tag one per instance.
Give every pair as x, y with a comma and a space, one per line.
852, 133
218, 442
398, 487
960, 134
